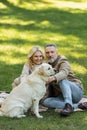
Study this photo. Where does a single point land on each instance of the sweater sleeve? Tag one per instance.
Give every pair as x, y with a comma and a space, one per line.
25, 72
63, 70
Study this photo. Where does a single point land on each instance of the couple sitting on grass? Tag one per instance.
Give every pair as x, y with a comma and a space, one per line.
64, 90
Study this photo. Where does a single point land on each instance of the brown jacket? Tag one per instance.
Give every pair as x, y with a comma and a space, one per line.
63, 72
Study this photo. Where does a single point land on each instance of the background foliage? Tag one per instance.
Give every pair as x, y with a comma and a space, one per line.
25, 23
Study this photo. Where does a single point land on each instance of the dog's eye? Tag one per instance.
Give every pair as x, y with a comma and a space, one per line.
49, 68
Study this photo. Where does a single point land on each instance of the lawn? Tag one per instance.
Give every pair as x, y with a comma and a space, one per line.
25, 23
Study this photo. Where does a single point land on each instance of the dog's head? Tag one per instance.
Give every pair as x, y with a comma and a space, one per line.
46, 70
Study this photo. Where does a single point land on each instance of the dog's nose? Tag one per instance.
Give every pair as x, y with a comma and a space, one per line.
55, 70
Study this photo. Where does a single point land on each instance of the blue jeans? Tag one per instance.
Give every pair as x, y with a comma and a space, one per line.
71, 93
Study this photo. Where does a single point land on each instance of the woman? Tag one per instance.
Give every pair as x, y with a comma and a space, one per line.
35, 58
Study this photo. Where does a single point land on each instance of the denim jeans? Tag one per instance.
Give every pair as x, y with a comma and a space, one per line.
71, 93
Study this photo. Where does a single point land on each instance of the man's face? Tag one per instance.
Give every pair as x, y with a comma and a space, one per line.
51, 53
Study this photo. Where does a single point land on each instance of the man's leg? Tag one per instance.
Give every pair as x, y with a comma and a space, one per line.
54, 102
71, 93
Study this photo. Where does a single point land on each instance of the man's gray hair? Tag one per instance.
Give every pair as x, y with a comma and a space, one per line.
51, 44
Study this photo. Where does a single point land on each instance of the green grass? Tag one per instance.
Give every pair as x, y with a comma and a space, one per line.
26, 23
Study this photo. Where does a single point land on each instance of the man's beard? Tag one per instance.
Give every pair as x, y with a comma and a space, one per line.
52, 60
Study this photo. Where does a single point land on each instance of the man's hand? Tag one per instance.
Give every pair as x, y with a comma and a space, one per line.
51, 78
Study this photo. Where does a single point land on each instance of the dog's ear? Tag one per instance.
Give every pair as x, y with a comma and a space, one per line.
41, 70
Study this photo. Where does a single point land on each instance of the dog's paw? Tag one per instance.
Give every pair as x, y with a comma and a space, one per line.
39, 116
20, 116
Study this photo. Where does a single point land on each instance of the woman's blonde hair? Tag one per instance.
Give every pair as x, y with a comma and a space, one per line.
31, 53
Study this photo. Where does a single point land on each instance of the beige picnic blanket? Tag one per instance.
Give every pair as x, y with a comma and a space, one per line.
3, 96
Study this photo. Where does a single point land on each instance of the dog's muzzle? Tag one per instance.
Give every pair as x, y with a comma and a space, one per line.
55, 71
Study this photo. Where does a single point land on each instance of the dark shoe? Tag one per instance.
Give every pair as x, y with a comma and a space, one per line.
83, 106
67, 110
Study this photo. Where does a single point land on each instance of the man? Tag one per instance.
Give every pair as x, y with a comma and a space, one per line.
65, 89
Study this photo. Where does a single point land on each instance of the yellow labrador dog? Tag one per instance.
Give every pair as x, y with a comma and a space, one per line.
27, 94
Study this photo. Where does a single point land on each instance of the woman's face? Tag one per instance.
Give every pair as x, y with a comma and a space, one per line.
37, 58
